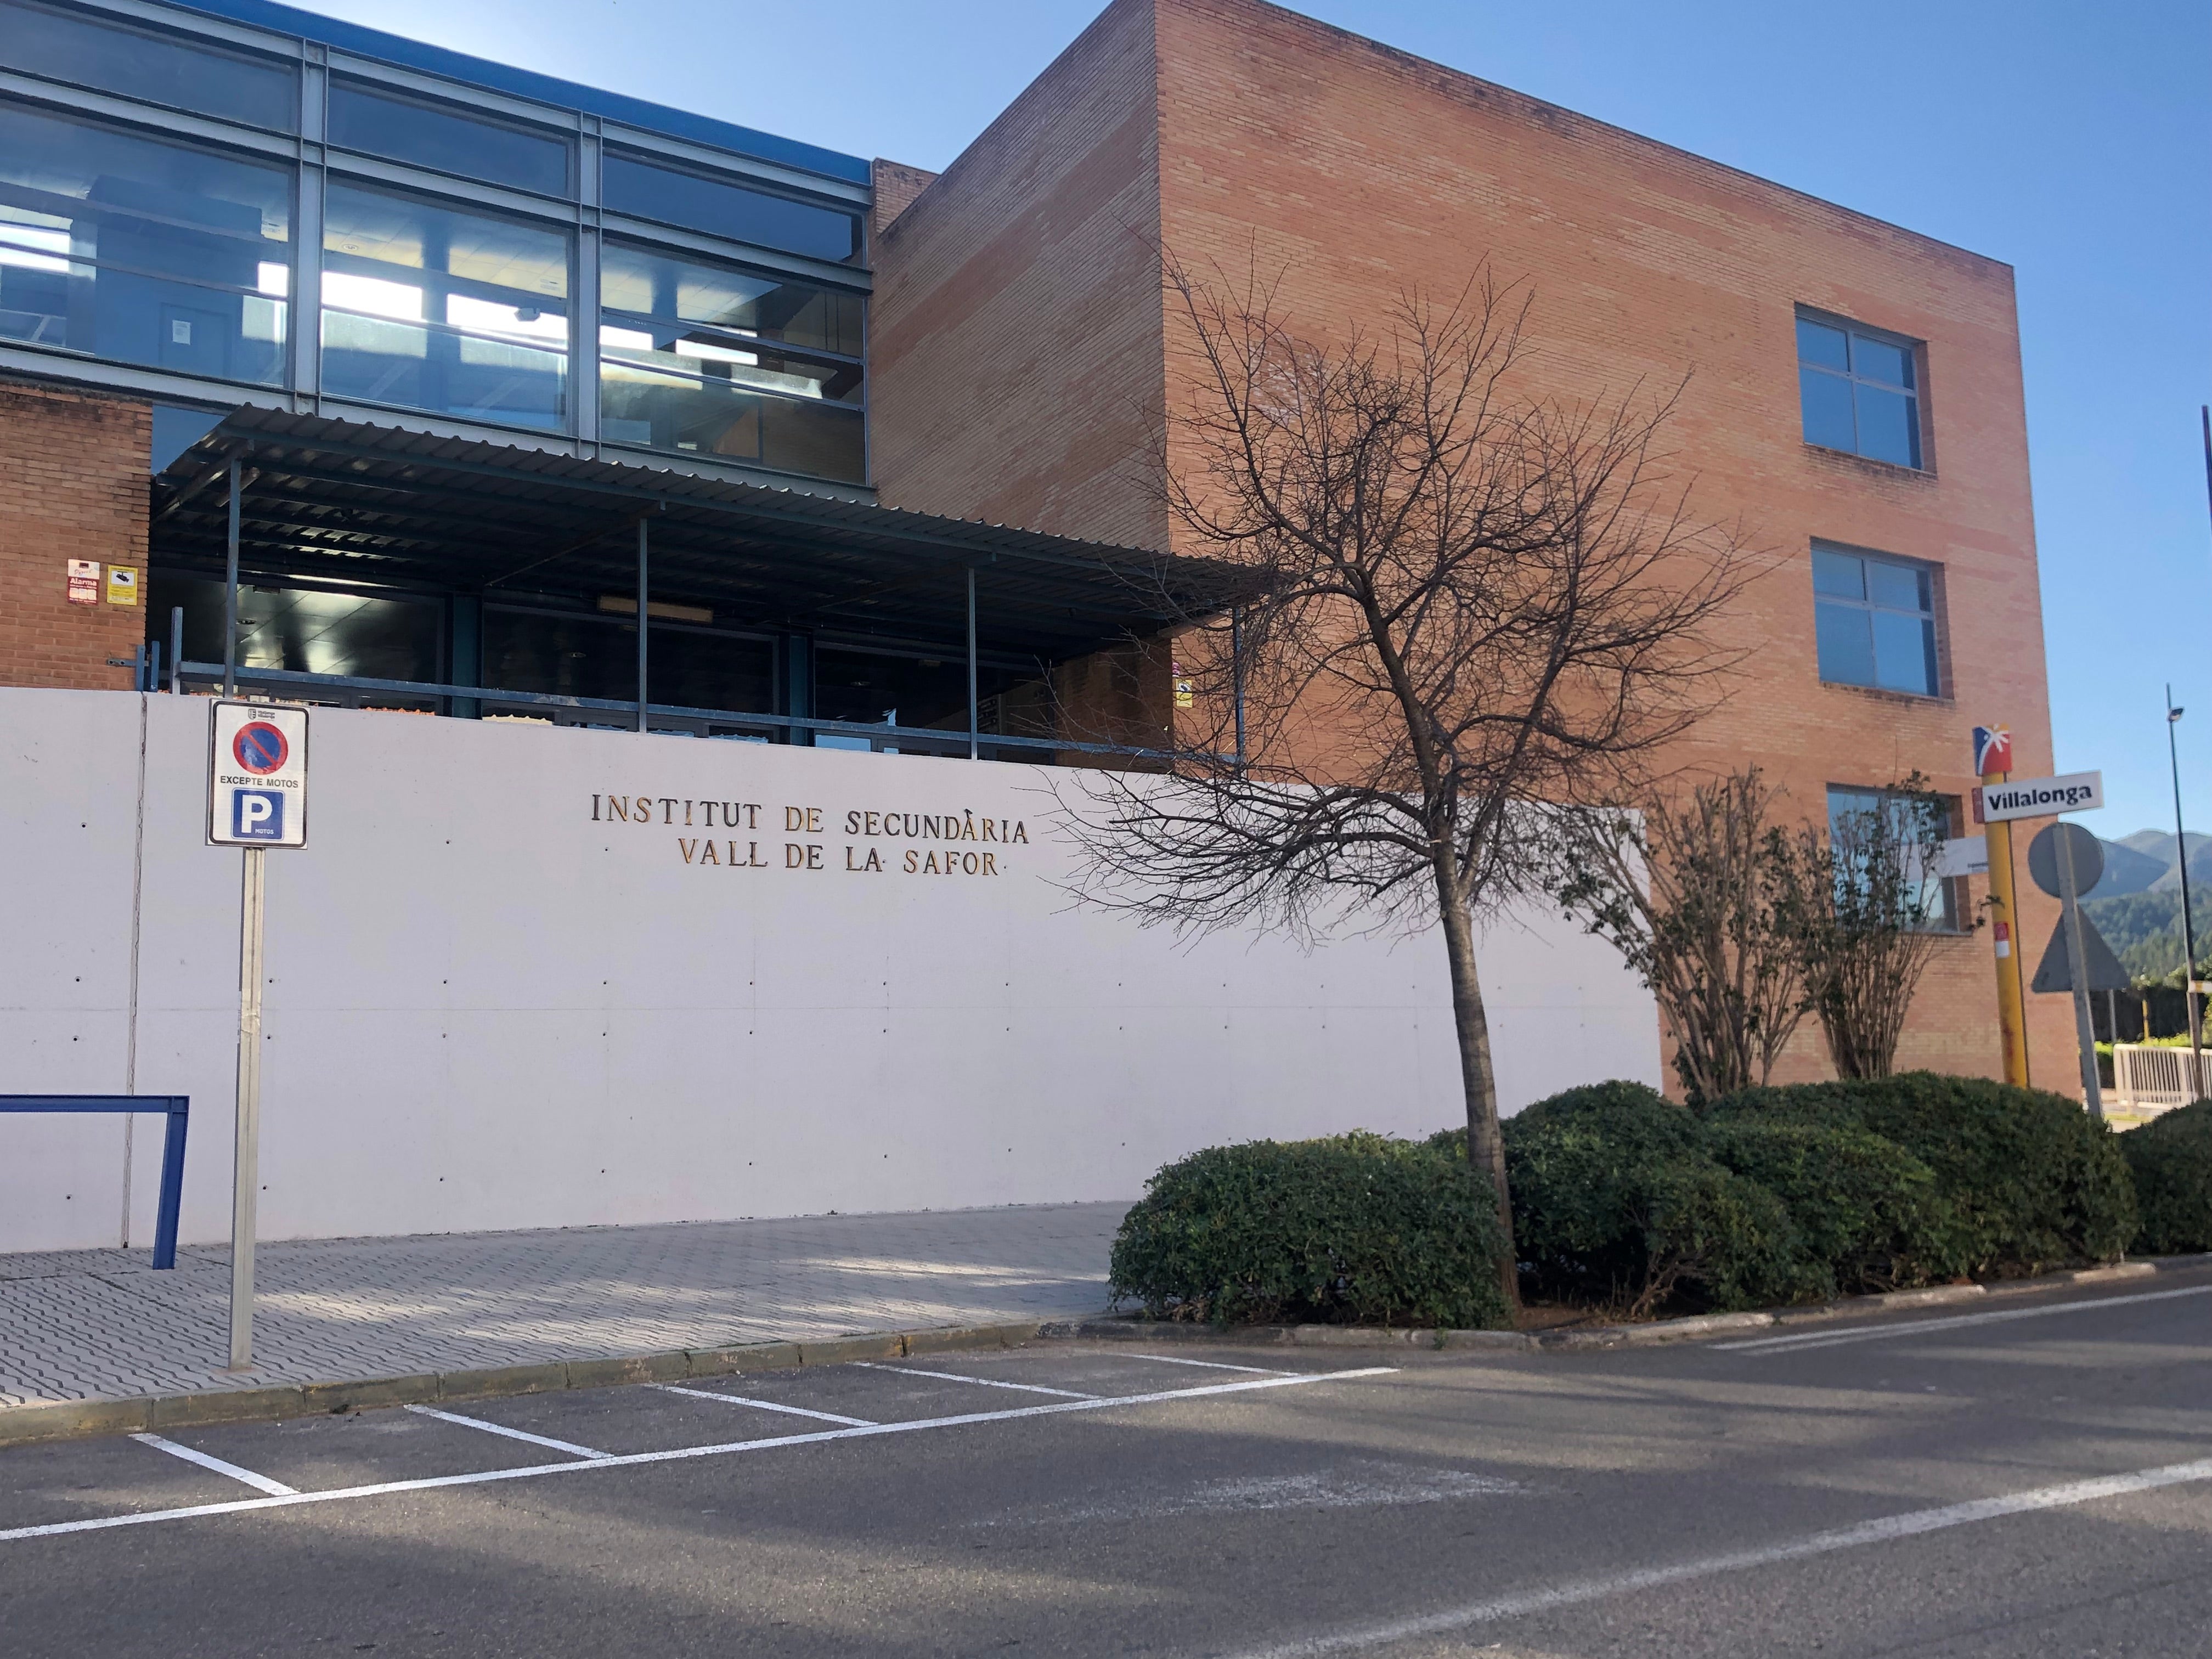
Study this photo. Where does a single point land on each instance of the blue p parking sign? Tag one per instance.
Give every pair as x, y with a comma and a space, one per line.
257, 774
257, 815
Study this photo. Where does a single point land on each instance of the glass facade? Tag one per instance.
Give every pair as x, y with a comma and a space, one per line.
713, 358
111, 56
462, 270
141, 250
437, 136
430, 307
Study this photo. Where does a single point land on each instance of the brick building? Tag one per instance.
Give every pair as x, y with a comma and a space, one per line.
1854, 394
449, 345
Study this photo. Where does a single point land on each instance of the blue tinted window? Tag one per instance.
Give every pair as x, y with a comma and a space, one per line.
1846, 646
432, 136
143, 251
723, 209
162, 69
1858, 392
1875, 622
431, 307
1818, 343
1828, 419
1838, 574
1879, 360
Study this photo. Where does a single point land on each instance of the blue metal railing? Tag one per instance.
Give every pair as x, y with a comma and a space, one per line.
178, 1108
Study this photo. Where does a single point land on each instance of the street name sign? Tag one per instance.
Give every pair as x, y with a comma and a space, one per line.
256, 775
2039, 797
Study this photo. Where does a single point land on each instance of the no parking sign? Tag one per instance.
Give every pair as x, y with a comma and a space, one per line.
256, 775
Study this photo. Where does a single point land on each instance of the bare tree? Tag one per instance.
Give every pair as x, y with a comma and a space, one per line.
1868, 911
1696, 895
1461, 609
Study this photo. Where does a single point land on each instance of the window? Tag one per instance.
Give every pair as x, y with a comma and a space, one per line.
635, 186
434, 135
434, 308
1874, 829
1874, 619
161, 69
142, 250
716, 360
314, 630
578, 654
1860, 392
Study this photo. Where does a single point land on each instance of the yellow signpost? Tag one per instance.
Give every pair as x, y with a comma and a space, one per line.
1993, 762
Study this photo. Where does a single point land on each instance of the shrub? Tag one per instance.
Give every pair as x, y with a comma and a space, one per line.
2030, 1179
1869, 1212
1618, 1200
1356, 1228
2171, 1157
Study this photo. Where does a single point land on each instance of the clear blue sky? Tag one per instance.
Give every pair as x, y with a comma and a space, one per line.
2070, 139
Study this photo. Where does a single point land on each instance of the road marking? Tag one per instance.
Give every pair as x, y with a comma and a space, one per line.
767, 1406
511, 1434
259, 1482
632, 1460
1830, 1339
1210, 1364
987, 1381
1577, 1591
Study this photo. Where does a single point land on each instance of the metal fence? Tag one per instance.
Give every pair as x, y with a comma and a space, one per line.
2150, 1078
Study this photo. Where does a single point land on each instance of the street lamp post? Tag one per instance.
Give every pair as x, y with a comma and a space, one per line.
2188, 926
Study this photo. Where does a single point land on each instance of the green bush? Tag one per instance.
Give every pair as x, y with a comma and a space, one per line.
1871, 1217
2171, 1158
1354, 1229
2030, 1180
1619, 1201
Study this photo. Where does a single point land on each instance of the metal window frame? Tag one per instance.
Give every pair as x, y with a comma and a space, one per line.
1933, 615
1916, 393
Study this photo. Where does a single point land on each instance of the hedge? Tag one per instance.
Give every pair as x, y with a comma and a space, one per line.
1353, 1229
2030, 1180
1619, 1201
2171, 1158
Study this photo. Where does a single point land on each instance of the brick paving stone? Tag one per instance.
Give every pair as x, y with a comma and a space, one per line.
99, 1324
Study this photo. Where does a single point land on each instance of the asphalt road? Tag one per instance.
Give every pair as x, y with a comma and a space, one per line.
1952, 1483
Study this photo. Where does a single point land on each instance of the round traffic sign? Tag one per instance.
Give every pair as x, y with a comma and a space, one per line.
259, 748
2043, 859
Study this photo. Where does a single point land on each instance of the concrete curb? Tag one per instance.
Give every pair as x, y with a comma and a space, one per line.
1648, 1333
70, 1420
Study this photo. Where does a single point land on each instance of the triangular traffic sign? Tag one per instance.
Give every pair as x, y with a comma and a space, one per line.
2055, 972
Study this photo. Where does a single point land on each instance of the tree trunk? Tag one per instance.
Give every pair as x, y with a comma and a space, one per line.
1486, 1146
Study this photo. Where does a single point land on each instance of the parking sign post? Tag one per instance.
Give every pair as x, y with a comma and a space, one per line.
257, 799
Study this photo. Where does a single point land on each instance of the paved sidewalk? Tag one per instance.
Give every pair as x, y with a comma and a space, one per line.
101, 1324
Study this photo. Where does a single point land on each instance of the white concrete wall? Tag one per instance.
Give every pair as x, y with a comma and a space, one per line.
485, 1010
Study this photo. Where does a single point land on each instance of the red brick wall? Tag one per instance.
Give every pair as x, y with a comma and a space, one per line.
896, 186
73, 485
1356, 171
1014, 337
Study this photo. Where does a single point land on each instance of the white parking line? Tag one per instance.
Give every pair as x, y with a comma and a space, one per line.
1577, 1591
482, 1477
511, 1434
259, 1482
767, 1406
987, 1381
1210, 1364
1884, 1333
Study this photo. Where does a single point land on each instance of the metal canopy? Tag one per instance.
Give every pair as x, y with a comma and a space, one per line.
345, 501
